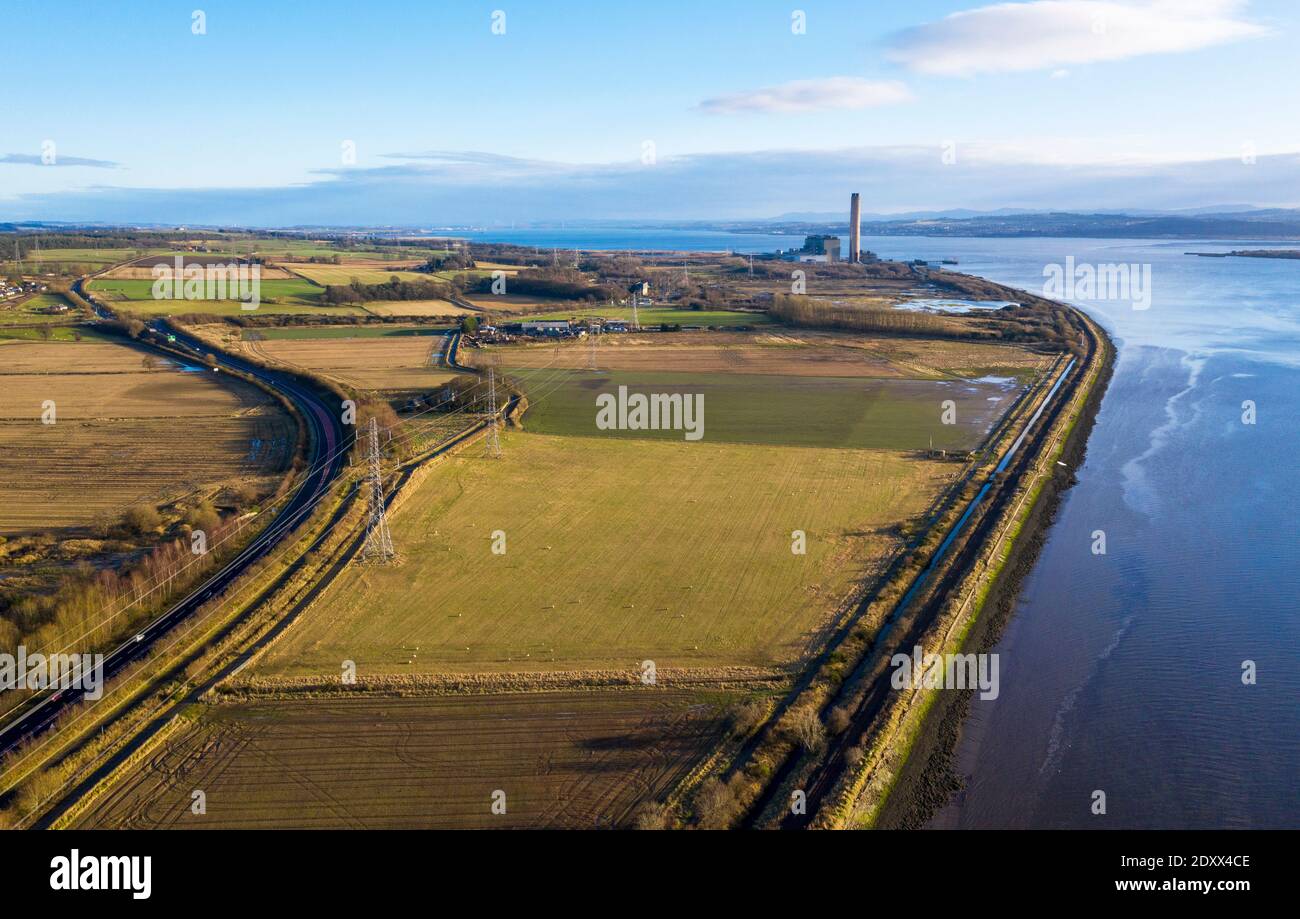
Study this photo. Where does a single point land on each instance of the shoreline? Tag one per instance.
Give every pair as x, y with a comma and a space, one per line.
929, 782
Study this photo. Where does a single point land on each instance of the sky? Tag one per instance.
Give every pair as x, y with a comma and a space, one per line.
451, 114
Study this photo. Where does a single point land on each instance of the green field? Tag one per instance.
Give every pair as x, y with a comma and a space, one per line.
616, 553
55, 333
842, 412
28, 312
292, 297
659, 315
299, 291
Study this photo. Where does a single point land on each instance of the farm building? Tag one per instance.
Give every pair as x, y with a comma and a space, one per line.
545, 327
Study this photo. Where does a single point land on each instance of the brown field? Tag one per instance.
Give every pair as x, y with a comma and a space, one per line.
123, 433
506, 303
783, 353
365, 272
415, 308
564, 760
396, 363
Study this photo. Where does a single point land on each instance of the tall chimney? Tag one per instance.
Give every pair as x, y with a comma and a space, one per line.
855, 228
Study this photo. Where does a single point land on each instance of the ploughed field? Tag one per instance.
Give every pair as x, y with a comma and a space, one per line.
123, 432
562, 760
778, 351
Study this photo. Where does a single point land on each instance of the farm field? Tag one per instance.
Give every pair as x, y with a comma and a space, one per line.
138, 272
617, 552
415, 308
30, 312
808, 411
397, 363
564, 760
140, 289
352, 330
123, 432
344, 274
508, 303
658, 315
292, 297
780, 351
52, 332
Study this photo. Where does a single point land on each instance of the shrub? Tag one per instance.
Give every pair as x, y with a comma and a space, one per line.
804, 728
142, 519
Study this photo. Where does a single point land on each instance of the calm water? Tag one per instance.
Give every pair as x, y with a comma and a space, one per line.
1122, 672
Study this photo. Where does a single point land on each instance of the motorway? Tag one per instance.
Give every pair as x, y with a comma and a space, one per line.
326, 457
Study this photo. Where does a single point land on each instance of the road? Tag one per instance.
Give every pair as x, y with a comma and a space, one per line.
325, 460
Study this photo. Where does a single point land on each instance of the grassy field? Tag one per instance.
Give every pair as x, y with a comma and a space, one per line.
616, 552
140, 289
563, 760
29, 311
123, 432
657, 315
842, 412
279, 297
67, 333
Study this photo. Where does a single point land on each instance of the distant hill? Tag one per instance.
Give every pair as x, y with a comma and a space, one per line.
1261, 223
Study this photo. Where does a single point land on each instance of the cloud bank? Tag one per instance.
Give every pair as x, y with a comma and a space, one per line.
442, 188
30, 159
1042, 34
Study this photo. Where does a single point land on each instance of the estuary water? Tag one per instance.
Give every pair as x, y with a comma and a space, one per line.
1123, 672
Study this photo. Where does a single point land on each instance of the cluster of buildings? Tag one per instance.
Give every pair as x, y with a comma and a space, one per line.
551, 328
8, 290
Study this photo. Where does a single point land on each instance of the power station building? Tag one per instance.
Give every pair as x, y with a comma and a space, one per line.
820, 249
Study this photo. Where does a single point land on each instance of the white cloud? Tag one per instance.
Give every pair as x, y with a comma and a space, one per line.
811, 96
1051, 33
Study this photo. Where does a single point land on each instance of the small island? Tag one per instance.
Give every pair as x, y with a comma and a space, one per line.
1251, 253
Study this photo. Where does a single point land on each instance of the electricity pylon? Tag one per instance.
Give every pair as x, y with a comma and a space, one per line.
379, 543
492, 446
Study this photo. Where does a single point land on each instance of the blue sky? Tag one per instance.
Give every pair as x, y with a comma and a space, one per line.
1040, 103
